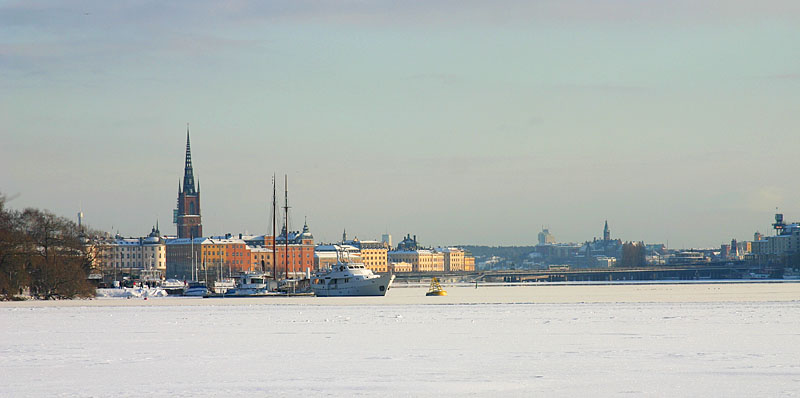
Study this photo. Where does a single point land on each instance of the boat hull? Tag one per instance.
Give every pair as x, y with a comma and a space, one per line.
174, 291
196, 292
246, 292
369, 287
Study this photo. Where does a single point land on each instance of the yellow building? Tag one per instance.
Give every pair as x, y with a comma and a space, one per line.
420, 260
469, 263
453, 258
400, 267
327, 255
374, 255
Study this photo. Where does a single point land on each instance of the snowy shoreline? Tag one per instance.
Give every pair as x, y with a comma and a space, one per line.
753, 291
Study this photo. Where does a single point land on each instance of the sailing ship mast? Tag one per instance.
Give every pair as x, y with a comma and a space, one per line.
191, 254
274, 232
286, 225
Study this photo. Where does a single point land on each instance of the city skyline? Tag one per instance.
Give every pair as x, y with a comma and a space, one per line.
462, 123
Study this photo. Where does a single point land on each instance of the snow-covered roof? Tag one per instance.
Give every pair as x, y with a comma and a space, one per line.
421, 251
335, 248
185, 241
259, 249
326, 254
221, 240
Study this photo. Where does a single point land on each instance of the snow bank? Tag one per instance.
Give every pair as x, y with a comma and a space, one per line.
134, 292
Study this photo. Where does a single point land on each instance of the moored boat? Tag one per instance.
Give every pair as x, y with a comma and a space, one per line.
350, 279
195, 288
224, 285
173, 287
249, 284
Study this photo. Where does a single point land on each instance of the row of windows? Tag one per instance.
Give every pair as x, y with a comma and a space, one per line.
148, 248
135, 255
131, 264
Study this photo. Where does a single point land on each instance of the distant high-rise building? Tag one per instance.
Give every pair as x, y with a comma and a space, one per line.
187, 215
387, 238
546, 238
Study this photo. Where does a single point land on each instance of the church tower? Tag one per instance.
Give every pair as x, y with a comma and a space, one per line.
188, 212
606, 232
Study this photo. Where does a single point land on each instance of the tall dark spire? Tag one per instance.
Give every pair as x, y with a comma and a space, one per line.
188, 173
606, 232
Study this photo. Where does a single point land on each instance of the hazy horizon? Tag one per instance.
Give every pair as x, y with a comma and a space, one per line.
459, 122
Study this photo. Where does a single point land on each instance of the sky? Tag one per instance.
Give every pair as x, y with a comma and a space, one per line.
461, 122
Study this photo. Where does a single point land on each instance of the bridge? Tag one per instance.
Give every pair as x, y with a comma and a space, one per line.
727, 270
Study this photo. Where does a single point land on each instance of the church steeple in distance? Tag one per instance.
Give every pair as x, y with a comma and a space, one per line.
188, 212
606, 232
188, 172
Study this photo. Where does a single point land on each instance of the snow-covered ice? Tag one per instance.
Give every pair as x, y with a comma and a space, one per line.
527, 341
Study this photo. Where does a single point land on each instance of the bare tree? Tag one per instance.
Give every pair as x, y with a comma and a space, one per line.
42, 252
13, 275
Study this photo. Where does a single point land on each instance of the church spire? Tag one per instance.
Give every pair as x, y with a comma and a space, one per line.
188, 172
606, 232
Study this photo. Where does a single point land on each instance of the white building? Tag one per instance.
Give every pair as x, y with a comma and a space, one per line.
132, 255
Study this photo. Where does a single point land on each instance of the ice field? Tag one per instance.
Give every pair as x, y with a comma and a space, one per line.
620, 340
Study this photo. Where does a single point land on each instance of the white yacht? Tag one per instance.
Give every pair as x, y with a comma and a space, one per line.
195, 288
223, 285
173, 286
350, 279
249, 284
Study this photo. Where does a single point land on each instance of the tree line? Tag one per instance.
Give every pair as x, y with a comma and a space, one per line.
42, 254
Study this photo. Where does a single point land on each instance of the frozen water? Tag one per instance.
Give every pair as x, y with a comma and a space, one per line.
665, 340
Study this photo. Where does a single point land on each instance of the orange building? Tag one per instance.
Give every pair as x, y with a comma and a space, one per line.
227, 254
206, 257
261, 258
294, 255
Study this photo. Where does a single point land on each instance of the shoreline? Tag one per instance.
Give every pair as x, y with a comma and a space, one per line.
467, 294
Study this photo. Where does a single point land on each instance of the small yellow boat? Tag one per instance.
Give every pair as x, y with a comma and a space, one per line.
436, 289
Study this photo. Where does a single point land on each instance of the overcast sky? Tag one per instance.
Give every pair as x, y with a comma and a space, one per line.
458, 121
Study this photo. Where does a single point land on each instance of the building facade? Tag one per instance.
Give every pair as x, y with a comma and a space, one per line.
400, 267
184, 258
326, 256
422, 260
373, 254
261, 258
119, 257
294, 251
453, 258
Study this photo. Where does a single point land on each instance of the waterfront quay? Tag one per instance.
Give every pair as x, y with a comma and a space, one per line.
727, 270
